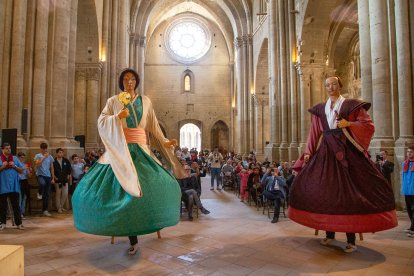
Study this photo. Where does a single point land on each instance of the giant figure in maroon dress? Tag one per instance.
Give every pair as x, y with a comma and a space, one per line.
339, 189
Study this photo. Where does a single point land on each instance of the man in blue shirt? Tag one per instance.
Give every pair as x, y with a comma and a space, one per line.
408, 187
10, 168
45, 176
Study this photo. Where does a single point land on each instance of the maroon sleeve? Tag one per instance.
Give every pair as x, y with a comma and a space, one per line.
362, 128
315, 133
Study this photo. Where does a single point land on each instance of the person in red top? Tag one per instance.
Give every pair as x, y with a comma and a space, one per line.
338, 188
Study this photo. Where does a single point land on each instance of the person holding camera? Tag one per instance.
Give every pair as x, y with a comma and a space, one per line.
385, 166
215, 158
10, 167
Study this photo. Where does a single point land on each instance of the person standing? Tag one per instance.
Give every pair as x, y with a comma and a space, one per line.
62, 169
385, 166
77, 172
10, 168
24, 183
45, 176
408, 188
215, 158
338, 188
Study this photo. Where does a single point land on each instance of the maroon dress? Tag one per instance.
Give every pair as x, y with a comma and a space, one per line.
340, 189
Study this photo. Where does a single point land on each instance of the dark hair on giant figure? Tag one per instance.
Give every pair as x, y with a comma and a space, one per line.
121, 78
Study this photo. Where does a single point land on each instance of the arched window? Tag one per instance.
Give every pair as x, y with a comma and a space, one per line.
187, 83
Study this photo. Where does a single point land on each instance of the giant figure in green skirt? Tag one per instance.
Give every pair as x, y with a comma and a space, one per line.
128, 192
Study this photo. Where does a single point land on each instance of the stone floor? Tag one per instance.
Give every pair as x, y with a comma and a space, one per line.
235, 239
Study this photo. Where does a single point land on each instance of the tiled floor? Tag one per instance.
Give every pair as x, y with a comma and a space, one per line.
235, 239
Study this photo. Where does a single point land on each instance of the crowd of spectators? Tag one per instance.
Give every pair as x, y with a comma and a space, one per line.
254, 181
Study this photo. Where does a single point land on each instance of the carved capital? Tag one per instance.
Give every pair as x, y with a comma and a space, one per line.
142, 41
238, 42
248, 39
80, 74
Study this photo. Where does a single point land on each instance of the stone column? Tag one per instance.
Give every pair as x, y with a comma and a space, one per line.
380, 75
239, 124
123, 22
251, 92
105, 54
5, 76
233, 95
141, 63
272, 149
283, 53
405, 92
80, 102
60, 73
304, 74
92, 87
405, 89
365, 51
71, 74
132, 51
294, 122
15, 105
246, 95
113, 87
39, 74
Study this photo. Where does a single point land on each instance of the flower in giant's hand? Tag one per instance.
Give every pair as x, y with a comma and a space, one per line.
124, 98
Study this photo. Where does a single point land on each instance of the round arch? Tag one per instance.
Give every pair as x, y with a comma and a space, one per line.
220, 136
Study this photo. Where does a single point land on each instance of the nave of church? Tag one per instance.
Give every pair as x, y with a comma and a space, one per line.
234, 239
239, 75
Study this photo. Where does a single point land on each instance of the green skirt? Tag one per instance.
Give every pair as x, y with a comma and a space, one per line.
102, 207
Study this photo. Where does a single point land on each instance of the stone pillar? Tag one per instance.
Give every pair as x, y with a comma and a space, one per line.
113, 87
294, 118
15, 106
365, 51
405, 92
251, 92
39, 75
71, 74
284, 78
5, 76
380, 58
246, 95
141, 64
60, 73
28, 67
239, 124
405, 89
233, 94
80, 101
123, 22
105, 54
272, 149
92, 87
304, 74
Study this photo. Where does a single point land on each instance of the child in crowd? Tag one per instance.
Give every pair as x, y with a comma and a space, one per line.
244, 176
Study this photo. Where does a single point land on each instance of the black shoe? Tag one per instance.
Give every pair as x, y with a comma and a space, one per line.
275, 219
204, 211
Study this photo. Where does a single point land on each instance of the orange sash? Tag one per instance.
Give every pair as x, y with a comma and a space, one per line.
136, 136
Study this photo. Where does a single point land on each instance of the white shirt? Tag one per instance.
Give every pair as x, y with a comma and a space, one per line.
332, 113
